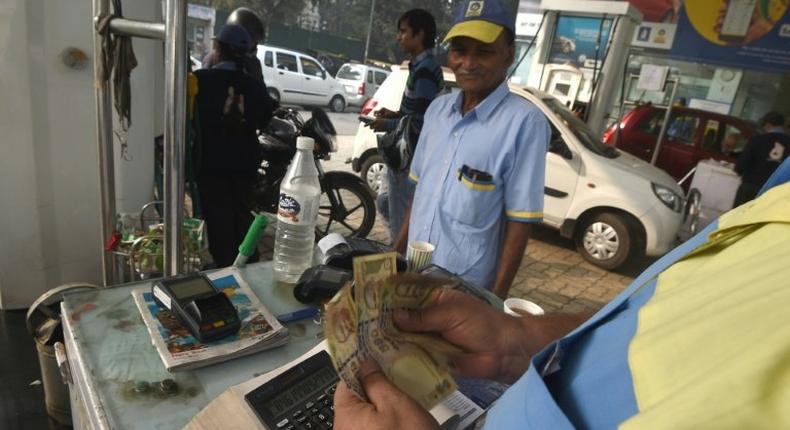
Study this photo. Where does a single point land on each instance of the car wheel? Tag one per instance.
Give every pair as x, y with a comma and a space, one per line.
337, 104
605, 240
274, 94
373, 171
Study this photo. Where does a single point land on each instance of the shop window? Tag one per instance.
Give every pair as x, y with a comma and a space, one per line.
682, 128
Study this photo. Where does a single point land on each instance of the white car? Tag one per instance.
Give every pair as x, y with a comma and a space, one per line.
614, 205
296, 78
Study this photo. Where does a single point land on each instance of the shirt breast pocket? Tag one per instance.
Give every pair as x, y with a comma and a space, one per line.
472, 197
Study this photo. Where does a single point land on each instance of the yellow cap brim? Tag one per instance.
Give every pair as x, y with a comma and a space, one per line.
484, 31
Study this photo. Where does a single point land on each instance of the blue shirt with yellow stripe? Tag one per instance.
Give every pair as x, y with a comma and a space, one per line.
698, 340
474, 172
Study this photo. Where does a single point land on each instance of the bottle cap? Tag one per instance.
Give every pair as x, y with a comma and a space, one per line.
305, 143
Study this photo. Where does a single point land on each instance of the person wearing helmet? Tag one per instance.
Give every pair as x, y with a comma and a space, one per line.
231, 105
249, 20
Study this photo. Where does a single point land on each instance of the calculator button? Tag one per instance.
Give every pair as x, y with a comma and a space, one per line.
321, 398
313, 411
282, 423
309, 405
290, 427
308, 425
301, 419
297, 413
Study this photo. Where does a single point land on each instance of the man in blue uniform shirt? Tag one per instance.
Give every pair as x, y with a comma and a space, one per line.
480, 161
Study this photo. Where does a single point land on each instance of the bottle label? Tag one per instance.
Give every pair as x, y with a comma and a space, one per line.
296, 211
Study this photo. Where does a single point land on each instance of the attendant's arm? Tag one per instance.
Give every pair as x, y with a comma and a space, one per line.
399, 243
516, 236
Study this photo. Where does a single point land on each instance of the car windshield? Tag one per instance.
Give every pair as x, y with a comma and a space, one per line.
580, 129
351, 72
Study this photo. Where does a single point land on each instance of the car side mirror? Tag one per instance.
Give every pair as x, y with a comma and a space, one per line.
558, 146
323, 74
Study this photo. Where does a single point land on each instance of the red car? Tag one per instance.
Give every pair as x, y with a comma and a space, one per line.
692, 135
656, 10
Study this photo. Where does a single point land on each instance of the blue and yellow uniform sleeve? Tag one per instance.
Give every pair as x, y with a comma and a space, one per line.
525, 177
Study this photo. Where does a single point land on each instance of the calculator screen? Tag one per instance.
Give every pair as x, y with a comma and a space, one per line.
300, 391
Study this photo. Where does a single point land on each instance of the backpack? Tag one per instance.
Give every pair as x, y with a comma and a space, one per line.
397, 146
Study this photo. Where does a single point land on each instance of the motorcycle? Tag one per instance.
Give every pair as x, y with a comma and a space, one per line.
347, 205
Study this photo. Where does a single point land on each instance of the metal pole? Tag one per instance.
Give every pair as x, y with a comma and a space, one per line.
175, 133
611, 74
370, 28
666, 122
134, 28
104, 139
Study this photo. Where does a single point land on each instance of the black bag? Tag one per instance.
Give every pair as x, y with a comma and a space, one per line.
397, 146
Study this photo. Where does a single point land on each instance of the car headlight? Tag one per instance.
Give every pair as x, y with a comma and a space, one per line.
668, 197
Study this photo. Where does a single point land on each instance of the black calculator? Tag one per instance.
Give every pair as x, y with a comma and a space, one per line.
300, 398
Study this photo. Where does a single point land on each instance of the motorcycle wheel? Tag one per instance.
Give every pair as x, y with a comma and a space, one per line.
347, 207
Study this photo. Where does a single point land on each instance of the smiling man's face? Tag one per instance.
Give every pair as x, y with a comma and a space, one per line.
479, 67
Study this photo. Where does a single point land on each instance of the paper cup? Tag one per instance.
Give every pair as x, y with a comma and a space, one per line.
419, 255
514, 305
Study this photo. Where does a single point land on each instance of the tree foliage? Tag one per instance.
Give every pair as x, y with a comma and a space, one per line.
349, 18
284, 11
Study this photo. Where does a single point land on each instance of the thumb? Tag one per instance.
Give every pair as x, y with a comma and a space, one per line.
380, 391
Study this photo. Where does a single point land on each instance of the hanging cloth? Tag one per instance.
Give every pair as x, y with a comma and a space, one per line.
118, 59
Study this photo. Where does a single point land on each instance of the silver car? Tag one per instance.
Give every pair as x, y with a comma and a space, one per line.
360, 81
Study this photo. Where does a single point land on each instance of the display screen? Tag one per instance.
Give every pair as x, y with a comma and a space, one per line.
190, 288
332, 277
296, 394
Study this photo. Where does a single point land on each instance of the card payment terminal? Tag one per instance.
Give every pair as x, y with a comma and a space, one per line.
207, 313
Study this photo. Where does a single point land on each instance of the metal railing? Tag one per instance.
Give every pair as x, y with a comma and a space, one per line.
173, 33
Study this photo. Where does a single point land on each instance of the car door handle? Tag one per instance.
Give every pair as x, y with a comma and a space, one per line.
307, 79
281, 73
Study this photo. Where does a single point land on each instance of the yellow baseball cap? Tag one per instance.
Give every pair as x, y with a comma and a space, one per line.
481, 20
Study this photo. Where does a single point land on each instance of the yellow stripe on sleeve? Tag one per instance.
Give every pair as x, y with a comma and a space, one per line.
524, 215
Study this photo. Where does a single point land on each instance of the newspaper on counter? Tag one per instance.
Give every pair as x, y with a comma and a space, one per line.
179, 350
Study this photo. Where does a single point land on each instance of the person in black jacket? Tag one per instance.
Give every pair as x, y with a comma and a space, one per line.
761, 156
231, 106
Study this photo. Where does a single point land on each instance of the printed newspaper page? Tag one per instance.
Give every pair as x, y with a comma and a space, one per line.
179, 350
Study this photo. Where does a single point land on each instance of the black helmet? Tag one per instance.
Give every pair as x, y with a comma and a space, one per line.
248, 19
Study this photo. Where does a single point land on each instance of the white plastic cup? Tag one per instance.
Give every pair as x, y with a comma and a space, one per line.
419, 255
515, 305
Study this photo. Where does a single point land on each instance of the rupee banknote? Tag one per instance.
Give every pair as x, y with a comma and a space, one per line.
359, 326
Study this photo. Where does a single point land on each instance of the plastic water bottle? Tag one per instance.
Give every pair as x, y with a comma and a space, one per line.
297, 213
